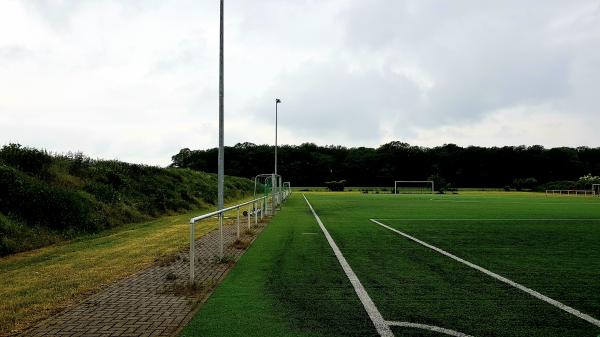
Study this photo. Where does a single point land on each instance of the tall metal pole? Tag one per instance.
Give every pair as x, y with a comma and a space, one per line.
275, 180
221, 168
277, 101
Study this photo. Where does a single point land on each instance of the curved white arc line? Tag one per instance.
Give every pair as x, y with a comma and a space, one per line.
500, 278
382, 327
433, 328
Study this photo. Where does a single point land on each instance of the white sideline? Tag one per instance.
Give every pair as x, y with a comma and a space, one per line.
484, 219
428, 327
382, 327
531, 292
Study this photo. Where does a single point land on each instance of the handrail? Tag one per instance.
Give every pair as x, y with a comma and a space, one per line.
221, 212
209, 215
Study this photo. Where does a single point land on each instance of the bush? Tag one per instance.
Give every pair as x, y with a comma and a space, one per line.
26, 159
558, 185
587, 181
336, 185
525, 183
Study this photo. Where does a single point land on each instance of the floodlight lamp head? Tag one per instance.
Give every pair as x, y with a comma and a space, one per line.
277, 101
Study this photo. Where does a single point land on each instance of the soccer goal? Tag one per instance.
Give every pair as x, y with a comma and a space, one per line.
413, 187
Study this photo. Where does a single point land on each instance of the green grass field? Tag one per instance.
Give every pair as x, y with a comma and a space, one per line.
290, 283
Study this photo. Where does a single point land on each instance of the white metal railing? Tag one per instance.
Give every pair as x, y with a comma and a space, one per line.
570, 192
255, 207
251, 206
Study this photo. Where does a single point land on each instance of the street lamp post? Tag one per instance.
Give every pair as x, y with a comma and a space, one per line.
275, 180
221, 159
277, 101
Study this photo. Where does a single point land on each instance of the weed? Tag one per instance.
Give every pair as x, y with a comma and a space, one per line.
171, 276
241, 244
226, 259
167, 260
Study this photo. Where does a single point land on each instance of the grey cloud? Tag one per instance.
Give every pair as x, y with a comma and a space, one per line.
326, 99
480, 56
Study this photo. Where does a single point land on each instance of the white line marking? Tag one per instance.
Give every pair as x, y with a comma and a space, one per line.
382, 327
510, 202
428, 327
531, 292
484, 219
310, 233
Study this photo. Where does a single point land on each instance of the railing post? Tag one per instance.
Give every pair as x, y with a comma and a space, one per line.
192, 251
255, 213
238, 222
249, 211
262, 211
221, 235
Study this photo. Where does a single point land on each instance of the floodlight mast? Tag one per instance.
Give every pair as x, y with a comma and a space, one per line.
277, 101
221, 165
275, 180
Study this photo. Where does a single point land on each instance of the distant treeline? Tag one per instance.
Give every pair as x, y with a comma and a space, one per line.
473, 166
46, 198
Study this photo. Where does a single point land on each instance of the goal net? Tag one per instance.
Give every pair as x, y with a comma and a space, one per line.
413, 186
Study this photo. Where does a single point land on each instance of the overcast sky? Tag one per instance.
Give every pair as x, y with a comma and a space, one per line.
138, 80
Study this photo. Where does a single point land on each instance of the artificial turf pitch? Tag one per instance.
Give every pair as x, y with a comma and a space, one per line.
290, 283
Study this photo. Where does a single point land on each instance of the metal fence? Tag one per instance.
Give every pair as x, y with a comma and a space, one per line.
246, 214
582, 193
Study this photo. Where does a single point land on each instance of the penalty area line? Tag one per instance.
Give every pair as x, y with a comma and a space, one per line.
382, 326
498, 277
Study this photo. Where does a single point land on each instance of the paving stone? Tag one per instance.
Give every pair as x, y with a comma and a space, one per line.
145, 304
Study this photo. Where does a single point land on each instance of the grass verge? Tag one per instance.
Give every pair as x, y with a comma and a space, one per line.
39, 283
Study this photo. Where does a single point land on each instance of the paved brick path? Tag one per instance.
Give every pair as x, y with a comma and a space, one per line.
152, 302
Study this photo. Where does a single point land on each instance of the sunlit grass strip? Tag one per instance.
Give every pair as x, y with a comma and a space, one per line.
38, 283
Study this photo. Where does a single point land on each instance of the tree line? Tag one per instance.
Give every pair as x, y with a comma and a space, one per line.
473, 166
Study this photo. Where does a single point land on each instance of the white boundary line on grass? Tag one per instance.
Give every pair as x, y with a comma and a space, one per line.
484, 219
427, 327
382, 326
512, 202
531, 292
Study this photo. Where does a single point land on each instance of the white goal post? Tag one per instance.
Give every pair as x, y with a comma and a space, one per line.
413, 186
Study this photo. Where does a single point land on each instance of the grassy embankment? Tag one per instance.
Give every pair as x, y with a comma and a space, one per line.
97, 221
46, 198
